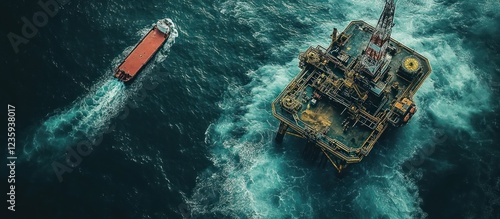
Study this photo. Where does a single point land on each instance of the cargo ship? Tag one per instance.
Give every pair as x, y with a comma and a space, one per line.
144, 50
347, 95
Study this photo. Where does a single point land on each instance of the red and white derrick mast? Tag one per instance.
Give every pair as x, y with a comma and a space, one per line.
374, 58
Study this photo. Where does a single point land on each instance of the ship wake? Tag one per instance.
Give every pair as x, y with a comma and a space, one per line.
90, 116
83, 121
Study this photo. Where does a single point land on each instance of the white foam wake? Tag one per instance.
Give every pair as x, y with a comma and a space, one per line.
84, 120
89, 117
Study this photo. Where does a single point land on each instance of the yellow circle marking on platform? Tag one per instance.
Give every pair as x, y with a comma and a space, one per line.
411, 64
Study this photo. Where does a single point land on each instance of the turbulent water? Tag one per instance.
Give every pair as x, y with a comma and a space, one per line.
199, 143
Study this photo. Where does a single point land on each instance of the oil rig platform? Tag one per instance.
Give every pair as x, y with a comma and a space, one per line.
348, 94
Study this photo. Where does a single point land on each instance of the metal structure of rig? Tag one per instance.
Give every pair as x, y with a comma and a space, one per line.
347, 95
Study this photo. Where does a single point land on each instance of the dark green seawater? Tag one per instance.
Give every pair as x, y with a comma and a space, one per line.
192, 137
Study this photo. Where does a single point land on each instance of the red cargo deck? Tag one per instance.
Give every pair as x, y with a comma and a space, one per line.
141, 54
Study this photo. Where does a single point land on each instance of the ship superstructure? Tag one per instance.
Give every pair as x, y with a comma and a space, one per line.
348, 94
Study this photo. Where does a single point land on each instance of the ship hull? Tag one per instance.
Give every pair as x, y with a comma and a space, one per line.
142, 53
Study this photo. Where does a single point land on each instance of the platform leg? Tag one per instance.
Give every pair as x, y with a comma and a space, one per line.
281, 132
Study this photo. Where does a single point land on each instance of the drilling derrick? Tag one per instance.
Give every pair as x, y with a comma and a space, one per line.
347, 95
373, 61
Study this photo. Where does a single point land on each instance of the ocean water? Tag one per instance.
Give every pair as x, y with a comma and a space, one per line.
192, 137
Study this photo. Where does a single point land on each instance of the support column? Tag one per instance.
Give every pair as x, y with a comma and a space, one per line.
309, 150
334, 38
281, 132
